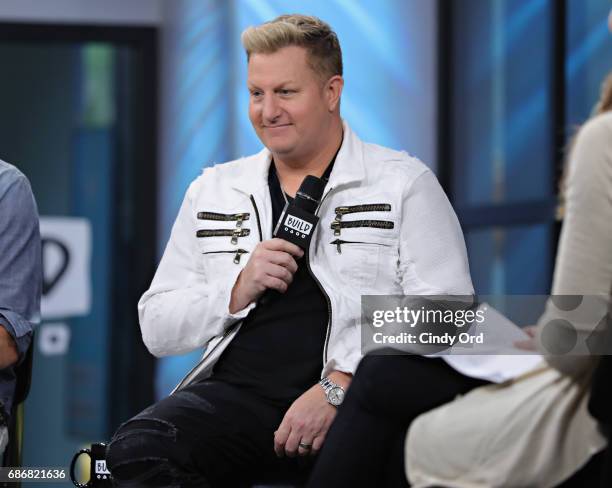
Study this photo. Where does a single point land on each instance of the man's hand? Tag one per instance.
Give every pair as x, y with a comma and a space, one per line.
8, 349
271, 265
308, 420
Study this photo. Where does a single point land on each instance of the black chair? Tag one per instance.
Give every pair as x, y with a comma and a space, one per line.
23, 373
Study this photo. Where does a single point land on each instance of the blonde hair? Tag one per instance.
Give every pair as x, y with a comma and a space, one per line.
311, 33
604, 104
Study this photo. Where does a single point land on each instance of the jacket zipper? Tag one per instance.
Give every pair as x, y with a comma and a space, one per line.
366, 207
237, 254
233, 233
238, 217
329, 308
338, 225
314, 277
338, 243
257, 217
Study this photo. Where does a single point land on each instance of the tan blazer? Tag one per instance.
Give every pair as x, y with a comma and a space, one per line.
535, 431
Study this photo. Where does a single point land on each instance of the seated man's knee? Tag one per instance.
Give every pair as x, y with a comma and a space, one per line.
143, 450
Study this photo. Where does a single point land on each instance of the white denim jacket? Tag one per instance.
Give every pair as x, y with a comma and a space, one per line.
227, 211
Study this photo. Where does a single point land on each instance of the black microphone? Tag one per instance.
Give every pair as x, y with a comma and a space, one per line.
298, 220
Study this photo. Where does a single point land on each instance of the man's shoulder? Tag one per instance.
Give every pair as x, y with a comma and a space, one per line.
9, 176
220, 174
234, 167
386, 160
9, 172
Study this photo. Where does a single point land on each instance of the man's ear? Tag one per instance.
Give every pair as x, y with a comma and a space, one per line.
333, 91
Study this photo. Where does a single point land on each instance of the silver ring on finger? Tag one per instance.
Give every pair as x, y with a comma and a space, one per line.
303, 445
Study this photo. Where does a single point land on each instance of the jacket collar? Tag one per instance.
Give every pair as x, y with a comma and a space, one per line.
348, 168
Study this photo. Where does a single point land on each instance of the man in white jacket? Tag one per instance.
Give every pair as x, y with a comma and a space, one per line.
275, 371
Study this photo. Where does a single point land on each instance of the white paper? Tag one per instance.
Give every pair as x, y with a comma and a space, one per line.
498, 359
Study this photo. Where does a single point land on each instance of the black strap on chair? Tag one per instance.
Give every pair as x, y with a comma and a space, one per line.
23, 373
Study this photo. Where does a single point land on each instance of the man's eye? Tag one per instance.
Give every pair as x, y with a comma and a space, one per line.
286, 92
256, 94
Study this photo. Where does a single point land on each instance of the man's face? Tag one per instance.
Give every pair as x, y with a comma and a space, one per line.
288, 105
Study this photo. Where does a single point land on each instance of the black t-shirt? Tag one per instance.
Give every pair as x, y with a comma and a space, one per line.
278, 351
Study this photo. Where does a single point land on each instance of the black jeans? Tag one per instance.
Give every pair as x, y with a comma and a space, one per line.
208, 434
365, 444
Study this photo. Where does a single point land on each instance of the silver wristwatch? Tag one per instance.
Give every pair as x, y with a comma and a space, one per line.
333, 391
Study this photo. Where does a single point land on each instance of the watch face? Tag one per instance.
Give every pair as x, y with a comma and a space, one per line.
336, 395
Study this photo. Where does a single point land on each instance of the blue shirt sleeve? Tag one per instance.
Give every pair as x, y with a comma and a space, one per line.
20, 260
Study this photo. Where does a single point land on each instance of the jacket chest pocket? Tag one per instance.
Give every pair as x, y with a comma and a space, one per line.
217, 261
363, 244
224, 240
235, 254
366, 216
233, 234
361, 259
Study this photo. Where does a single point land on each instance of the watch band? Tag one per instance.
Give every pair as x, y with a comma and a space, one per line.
328, 385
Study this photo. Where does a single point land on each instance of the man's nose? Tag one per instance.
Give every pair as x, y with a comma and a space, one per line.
271, 108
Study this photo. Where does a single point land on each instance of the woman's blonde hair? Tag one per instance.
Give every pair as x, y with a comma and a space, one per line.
311, 33
604, 104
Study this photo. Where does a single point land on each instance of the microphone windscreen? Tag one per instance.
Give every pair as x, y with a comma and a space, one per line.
309, 194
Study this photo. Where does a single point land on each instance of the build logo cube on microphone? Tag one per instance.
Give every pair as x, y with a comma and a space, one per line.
296, 226
298, 220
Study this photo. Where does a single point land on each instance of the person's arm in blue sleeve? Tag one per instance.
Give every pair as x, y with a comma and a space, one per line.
20, 269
